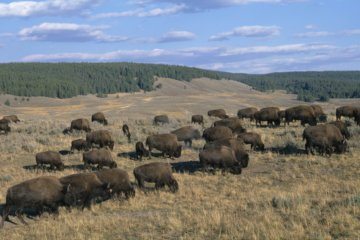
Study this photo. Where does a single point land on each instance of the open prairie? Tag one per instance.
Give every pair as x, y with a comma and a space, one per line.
282, 194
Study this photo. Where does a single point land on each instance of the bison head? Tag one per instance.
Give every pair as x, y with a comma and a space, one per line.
313, 122
177, 152
236, 169
322, 118
341, 147
111, 145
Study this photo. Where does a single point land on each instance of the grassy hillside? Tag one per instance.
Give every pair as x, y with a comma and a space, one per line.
64, 80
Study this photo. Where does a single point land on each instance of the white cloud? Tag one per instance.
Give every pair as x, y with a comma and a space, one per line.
247, 31
154, 12
310, 27
176, 36
44, 8
352, 32
315, 34
67, 32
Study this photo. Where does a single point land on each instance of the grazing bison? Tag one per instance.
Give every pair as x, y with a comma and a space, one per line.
220, 113
187, 134
222, 157
4, 127
80, 124
12, 118
119, 181
247, 113
49, 157
217, 133
319, 113
254, 139
99, 117
236, 144
102, 138
233, 123
102, 157
141, 151
325, 138
345, 111
39, 193
83, 188
342, 127
158, 173
269, 115
303, 113
161, 119
126, 131
166, 143
80, 145
197, 119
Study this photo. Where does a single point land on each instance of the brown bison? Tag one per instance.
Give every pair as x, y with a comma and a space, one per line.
342, 126
83, 188
197, 119
158, 173
236, 144
166, 143
220, 113
303, 113
345, 111
102, 157
49, 157
325, 138
222, 157
247, 113
319, 113
79, 145
233, 123
217, 133
38, 193
161, 119
357, 116
119, 181
126, 131
4, 127
269, 115
102, 138
187, 134
141, 151
12, 118
99, 117
254, 139
80, 124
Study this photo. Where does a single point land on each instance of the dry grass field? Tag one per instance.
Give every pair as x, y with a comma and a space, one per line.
283, 194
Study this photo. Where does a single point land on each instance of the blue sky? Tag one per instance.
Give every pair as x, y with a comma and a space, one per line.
252, 36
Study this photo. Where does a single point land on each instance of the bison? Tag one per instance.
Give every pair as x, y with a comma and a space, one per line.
247, 113
39, 193
217, 133
161, 119
324, 137
158, 173
83, 188
12, 118
233, 123
102, 138
269, 115
187, 134
345, 111
102, 157
319, 113
254, 139
303, 113
222, 157
236, 144
119, 181
197, 119
80, 124
141, 151
126, 131
99, 117
166, 143
220, 113
4, 127
49, 157
79, 145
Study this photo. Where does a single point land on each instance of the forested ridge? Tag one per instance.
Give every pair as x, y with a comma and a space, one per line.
64, 80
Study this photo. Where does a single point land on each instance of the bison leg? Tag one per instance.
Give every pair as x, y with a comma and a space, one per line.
18, 213
159, 184
190, 143
5, 216
173, 185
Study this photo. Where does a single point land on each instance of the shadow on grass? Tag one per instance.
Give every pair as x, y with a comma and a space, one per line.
287, 150
186, 167
77, 167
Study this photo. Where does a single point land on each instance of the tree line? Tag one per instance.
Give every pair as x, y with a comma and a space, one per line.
65, 80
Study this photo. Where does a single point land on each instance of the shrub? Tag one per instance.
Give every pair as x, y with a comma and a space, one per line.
7, 102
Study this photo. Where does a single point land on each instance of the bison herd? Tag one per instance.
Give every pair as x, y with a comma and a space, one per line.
224, 149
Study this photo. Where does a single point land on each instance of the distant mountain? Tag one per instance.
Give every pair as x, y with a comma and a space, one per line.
64, 80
